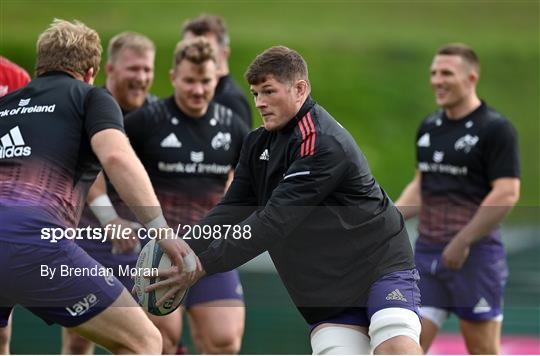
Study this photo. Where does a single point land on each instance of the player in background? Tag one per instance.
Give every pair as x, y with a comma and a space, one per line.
130, 73
303, 191
12, 77
467, 181
54, 131
228, 92
189, 145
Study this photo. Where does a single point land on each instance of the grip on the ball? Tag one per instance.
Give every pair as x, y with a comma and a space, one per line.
190, 264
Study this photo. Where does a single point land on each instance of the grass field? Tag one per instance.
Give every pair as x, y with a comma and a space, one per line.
368, 60
369, 66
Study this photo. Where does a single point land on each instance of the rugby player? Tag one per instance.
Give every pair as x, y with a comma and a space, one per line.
467, 181
228, 92
52, 132
189, 145
130, 73
12, 77
302, 191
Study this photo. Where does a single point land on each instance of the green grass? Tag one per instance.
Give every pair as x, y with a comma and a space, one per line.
368, 60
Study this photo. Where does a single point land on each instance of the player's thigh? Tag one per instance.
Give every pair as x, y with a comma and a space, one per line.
5, 330
482, 337
214, 297
122, 326
216, 323
170, 327
393, 307
433, 284
340, 339
429, 330
478, 288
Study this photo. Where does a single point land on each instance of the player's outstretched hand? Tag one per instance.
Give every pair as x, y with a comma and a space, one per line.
455, 254
177, 278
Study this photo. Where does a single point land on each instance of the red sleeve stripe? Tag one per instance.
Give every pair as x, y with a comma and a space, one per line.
314, 134
303, 131
307, 129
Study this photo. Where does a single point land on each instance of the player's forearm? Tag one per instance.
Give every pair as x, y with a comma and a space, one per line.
492, 211
410, 201
130, 180
126, 173
99, 187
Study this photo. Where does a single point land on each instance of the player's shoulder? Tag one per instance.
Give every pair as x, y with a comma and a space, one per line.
317, 129
152, 111
432, 119
150, 99
224, 115
494, 122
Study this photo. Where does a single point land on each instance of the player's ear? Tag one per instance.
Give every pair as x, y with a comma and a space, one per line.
473, 77
108, 68
226, 52
90, 75
172, 75
301, 87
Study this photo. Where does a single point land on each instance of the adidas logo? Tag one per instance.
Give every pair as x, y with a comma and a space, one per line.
264, 156
482, 306
12, 145
171, 141
396, 295
424, 141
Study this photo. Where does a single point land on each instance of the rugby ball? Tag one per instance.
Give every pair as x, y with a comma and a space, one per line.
152, 256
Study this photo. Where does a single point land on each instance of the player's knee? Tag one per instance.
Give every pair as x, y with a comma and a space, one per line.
153, 342
147, 341
169, 343
339, 340
76, 344
223, 342
389, 323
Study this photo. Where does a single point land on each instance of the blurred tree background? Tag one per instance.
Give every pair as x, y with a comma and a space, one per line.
369, 66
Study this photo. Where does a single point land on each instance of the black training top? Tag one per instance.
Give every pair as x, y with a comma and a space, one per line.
458, 159
46, 160
188, 159
87, 216
229, 94
309, 198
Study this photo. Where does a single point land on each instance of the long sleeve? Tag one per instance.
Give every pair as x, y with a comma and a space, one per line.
311, 177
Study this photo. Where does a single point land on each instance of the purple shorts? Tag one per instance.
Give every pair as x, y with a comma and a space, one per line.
220, 286
101, 252
475, 292
395, 290
65, 299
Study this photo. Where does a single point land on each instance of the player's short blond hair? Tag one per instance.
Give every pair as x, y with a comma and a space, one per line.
134, 41
68, 46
